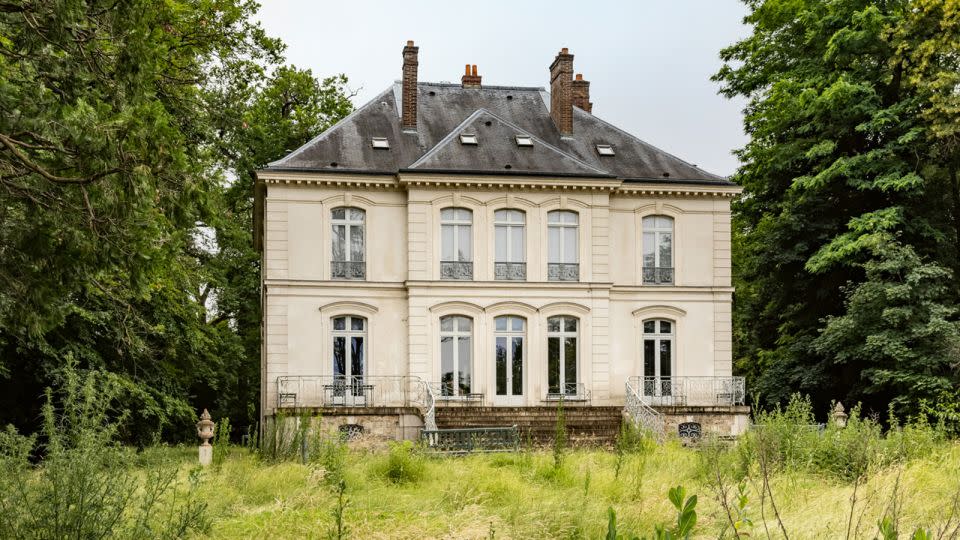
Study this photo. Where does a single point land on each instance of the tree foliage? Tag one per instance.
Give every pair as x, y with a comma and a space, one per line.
124, 125
847, 235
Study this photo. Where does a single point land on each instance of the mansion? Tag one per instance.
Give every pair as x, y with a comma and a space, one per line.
464, 245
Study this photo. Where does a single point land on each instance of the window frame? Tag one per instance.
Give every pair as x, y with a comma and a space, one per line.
456, 334
562, 269
562, 361
457, 269
352, 269
510, 269
658, 274
509, 335
656, 384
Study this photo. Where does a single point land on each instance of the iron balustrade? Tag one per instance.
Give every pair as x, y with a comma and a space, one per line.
571, 392
305, 391
462, 270
563, 271
696, 391
642, 415
659, 275
462, 441
510, 271
348, 269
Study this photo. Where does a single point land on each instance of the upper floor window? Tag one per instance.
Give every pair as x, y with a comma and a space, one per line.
658, 250
456, 335
509, 227
563, 250
348, 243
456, 239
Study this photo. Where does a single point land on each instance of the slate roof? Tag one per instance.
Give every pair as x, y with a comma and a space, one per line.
445, 110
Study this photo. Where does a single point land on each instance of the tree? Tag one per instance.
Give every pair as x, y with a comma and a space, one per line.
850, 167
112, 130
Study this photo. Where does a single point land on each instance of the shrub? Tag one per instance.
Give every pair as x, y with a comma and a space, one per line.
85, 486
402, 464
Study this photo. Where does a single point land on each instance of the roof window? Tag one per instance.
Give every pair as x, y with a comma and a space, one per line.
380, 142
468, 138
524, 140
605, 150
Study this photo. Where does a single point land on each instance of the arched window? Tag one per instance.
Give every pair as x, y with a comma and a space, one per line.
658, 250
562, 334
349, 361
510, 260
658, 354
456, 339
348, 260
563, 250
456, 243
509, 336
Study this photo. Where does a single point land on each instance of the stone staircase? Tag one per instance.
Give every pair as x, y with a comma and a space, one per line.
585, 424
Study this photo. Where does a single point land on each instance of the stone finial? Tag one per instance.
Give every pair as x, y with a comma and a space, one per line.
838, 415
205, 428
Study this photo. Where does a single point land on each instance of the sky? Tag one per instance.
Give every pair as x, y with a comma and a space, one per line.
649, 62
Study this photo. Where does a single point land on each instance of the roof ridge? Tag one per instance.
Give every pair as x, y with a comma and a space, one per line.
453, 132
332, 128
482, 87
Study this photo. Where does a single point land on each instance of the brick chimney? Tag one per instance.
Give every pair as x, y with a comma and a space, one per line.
470, 78
581, 93
561, 91
408, 106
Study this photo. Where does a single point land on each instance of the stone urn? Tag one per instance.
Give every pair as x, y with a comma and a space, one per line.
205, 430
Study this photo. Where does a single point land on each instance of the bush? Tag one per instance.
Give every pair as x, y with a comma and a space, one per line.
85, 485
403, 464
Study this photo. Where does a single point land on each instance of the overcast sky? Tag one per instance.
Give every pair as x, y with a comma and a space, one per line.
648, 62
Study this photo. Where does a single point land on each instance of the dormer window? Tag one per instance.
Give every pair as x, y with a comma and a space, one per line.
380, 142
524, 140
468, 138
605, 150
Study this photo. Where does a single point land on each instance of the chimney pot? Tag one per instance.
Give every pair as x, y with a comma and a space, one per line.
466, 71
564, 51
408, 99
470, 78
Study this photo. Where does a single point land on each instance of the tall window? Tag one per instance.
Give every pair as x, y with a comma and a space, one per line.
657, 357
563, 250
349, 354
509, 334
658, 250
348, 239
456, 336
510, 245
456, 238
562, 356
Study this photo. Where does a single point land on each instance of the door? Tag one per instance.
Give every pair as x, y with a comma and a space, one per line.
658, 382
347, 386
510, 333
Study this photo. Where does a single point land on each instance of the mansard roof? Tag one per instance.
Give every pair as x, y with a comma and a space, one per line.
446, 110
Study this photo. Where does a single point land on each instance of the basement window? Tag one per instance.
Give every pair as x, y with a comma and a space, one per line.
380, 142
468, 138
605, 150
524, 140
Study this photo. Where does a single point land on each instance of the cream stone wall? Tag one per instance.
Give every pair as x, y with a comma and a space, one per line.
403, 297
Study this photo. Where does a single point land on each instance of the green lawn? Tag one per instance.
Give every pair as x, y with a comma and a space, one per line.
522, 495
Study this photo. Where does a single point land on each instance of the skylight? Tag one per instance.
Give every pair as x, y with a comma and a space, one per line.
468, 138
380, 142
524, 140
605, 150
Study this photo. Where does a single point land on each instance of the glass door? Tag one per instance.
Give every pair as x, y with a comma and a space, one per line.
658, 361
510, 333
348, 386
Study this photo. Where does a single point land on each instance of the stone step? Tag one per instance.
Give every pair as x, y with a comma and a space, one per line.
585, 424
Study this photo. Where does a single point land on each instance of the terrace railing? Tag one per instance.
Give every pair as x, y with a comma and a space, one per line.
696, 391
571, 392
299, 391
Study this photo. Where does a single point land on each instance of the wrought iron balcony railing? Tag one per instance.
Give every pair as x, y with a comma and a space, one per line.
348, 269
510, 271
456, 270
700, 391
563, 271
659, 275
571, 392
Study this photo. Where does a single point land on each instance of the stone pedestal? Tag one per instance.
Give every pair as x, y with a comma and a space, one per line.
206, 454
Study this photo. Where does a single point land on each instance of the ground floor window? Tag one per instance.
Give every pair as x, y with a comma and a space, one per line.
658, 352
510, 333
456, 338
562, 334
